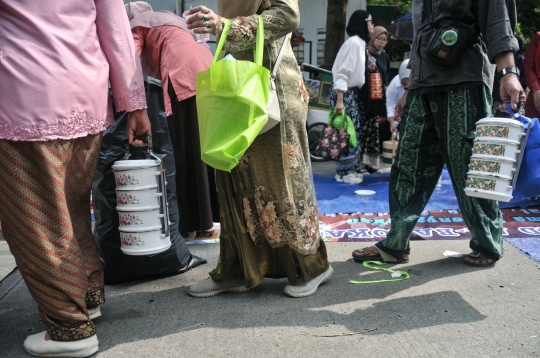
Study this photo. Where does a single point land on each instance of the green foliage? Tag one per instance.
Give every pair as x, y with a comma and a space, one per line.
404, 6
528, 23
396, 48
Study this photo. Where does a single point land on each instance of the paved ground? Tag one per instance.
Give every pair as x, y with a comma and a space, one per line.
7, 261
446, 309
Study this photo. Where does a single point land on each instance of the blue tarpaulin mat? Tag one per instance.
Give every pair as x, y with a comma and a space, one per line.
529, 246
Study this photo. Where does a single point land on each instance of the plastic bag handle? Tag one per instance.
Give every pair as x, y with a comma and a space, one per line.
259, 45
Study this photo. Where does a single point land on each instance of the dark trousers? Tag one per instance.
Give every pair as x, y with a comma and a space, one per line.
438, 129
195, 181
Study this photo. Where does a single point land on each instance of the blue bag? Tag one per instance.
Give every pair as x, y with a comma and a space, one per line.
528, 180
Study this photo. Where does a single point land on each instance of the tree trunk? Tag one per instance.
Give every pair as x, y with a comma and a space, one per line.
336, 17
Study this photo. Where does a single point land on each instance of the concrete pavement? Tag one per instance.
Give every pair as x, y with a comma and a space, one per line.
446, 309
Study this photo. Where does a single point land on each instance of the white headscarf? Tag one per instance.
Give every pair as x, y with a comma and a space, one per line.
404, 72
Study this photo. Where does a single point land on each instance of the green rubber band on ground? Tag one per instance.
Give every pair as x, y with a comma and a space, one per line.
368, 264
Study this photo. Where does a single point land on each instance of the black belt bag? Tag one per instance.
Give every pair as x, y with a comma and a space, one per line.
449, 40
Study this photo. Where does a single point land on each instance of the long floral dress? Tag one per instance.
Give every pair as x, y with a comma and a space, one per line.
268, 209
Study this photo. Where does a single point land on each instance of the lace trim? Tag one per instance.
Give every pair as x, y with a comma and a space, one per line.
95, 298
67, 127
73, 333
135, 98
297, 225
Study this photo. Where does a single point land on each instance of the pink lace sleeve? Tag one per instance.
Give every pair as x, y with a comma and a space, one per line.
132, 99
124, 65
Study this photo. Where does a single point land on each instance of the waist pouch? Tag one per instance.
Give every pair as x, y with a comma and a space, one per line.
449, 40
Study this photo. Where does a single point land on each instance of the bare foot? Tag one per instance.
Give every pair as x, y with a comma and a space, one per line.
480, 261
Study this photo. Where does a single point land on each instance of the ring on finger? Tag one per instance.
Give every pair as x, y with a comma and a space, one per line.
206, 24
205, 18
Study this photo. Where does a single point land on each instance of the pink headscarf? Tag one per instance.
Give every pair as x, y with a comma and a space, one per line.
137, 7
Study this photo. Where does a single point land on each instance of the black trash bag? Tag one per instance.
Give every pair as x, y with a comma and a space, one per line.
118, 266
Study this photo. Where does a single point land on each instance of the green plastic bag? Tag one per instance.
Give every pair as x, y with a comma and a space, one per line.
343, 122
232, 104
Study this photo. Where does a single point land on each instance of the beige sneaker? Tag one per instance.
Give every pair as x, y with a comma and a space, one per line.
36, 345
304, 289
210, 288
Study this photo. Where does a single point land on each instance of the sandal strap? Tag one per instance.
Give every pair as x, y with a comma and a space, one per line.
383, 254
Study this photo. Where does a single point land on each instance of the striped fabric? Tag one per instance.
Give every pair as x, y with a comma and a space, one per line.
44, 210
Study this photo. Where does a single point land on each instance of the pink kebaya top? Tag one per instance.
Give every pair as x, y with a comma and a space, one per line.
174, 54
56, 60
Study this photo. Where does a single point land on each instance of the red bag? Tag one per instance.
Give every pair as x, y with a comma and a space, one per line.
375, 81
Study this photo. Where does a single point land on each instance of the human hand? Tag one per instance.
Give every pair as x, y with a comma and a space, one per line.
339, 107
536, 97
392, 127
138, 124
511, 90
204, 20
400, 105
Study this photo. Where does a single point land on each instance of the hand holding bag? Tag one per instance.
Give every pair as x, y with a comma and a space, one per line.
232, 104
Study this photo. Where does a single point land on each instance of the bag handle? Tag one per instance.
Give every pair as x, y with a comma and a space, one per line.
280, 56
259, 46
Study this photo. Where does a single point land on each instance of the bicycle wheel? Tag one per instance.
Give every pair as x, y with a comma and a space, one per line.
314, 134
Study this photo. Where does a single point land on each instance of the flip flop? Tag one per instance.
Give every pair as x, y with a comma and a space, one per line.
383, 256
476, 254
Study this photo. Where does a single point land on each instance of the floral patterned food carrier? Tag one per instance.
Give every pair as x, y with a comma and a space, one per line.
141, 196
496, 156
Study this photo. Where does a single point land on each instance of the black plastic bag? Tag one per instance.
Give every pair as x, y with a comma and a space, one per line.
120, 267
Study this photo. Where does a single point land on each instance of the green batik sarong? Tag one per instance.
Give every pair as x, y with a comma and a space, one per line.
438, 129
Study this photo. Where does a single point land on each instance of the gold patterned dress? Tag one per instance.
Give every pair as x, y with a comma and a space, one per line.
268, 209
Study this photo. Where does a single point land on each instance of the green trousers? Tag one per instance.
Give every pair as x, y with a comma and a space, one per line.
437, 129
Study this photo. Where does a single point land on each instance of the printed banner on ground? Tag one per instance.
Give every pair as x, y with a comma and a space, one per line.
432, 225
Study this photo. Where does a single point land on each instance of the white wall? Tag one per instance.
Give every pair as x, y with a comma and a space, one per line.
313, 17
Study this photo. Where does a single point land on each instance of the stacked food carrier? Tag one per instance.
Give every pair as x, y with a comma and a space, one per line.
141, 196
497, 152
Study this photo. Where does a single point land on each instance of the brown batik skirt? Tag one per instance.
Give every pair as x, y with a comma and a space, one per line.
45, 215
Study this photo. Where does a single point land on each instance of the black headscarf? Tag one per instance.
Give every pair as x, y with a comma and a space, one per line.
358, 26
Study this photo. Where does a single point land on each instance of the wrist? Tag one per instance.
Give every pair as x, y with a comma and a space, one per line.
508, 71
219, 26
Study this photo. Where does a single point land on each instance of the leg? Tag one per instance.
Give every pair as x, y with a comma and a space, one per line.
350, 157
40, 230
418, 165
79, 175
462, 109
192, 182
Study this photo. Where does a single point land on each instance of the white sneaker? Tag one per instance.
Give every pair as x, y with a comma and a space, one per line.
36, 345
339, 178
94, 313
353, 178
